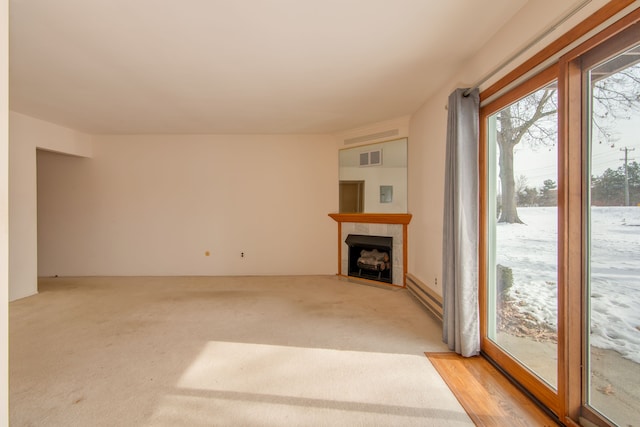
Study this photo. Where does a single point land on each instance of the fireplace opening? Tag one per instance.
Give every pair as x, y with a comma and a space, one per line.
370, 257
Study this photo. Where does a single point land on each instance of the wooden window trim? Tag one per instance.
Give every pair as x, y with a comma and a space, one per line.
547, 395
567, 402
593, 21
613, 39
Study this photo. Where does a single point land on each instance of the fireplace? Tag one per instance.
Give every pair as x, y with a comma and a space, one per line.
370, 257
371, 224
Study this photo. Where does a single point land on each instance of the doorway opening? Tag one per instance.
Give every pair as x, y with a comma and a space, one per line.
351, 196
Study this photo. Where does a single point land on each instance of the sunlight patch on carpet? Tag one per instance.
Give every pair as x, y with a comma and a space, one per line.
230, 380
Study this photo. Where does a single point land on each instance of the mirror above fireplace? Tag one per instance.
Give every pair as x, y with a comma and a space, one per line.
373, 178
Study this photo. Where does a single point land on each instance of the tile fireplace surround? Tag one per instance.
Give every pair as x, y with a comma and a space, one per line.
391, 225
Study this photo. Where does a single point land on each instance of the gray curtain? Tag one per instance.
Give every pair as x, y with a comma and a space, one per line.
461, 325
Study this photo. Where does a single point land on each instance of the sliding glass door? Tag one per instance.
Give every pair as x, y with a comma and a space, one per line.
522, 233
560, 230
612, 234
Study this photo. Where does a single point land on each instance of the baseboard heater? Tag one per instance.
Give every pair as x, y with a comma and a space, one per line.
425, 295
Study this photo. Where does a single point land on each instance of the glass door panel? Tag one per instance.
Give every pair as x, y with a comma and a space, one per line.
613, 239
522, 234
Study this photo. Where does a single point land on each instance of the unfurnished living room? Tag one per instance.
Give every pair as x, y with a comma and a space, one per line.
298, 212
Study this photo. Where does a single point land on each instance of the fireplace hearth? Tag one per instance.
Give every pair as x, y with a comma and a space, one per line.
370, 257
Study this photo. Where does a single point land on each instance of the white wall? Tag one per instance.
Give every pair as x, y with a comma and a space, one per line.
26, 134
427, 130
153, 205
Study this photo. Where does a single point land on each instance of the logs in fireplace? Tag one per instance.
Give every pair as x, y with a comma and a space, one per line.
370, 257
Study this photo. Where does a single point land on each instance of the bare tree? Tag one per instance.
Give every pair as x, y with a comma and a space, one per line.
531, 119
615, 94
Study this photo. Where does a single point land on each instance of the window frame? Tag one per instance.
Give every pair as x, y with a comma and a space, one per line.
541, 391
567, 402
598, 48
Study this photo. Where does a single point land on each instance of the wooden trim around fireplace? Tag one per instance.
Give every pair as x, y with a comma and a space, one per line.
374, 218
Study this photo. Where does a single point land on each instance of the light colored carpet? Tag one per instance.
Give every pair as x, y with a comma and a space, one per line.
224, 351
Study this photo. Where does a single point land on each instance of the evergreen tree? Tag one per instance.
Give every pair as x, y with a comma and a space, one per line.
548, 193
608, 188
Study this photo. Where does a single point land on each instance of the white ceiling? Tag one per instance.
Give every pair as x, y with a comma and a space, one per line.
238, 66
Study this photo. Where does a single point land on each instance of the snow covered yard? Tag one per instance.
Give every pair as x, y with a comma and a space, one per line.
530, 250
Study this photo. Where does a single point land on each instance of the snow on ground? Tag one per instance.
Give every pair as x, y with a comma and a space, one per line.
530, 250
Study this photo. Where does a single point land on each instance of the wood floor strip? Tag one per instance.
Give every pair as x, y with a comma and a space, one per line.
489, 397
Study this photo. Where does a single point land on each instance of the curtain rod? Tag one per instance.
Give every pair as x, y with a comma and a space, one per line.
529, 45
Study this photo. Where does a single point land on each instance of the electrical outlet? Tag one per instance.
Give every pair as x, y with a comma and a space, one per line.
241, 254
207, 253
435, 280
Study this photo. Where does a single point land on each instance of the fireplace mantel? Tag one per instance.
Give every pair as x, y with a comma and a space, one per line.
373, 218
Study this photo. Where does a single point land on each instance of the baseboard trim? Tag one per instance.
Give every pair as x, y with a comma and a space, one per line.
425, 295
